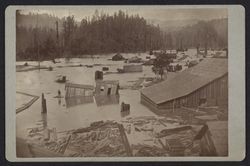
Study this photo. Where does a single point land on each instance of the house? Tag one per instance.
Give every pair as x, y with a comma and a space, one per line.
107, 87
207, 82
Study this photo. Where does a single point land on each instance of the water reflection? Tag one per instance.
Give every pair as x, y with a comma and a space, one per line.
44, 121
125, 113
59, 101
102, 100
74, 101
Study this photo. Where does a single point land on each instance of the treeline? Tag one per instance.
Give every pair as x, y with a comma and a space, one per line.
213, 33
103, 33
97, 35
117, 33
34, 43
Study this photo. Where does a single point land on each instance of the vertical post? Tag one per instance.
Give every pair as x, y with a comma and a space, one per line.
54, 134
42, 101
44, 107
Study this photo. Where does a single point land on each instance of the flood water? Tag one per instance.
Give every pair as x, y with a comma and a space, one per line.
65, 115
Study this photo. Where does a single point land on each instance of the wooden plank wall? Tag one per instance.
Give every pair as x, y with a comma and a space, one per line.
216, 94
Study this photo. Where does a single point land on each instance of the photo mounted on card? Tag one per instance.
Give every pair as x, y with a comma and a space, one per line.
125, 83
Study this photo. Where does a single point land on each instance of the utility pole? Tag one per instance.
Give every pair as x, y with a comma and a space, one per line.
37, 41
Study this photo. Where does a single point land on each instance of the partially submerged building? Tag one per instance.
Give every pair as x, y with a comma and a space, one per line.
78, 90
205, 83
107, 87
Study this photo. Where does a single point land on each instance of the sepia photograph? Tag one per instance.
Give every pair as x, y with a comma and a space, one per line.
121, 81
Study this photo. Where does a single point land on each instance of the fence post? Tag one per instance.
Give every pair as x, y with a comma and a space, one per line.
44, 107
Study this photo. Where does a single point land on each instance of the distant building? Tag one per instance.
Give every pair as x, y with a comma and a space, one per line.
98, 75
205, 83
117, 57
107, 87
132, 68
134, 60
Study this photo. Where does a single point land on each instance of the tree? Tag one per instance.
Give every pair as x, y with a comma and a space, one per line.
160, 63
48, 50
206, 34
69, 27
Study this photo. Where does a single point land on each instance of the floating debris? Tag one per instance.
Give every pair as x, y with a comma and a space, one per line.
118, 57
61, 80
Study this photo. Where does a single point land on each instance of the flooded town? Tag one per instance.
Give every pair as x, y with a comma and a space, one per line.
117, 84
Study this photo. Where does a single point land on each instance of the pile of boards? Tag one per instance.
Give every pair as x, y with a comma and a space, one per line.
100, 139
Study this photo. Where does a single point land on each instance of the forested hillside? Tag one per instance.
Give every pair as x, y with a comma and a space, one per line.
214, 32
103, 33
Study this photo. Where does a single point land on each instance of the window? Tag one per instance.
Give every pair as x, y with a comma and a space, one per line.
102, 88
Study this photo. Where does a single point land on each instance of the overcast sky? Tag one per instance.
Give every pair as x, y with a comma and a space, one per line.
160, 13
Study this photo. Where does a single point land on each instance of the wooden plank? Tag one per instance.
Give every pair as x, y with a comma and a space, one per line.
166, 132
27, 105
66, 145
125, 140
163, 146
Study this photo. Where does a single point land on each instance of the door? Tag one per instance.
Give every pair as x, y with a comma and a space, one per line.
109, 91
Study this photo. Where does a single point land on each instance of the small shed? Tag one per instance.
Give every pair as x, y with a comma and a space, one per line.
107, 87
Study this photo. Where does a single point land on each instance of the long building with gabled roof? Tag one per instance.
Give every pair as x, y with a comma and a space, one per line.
205, 83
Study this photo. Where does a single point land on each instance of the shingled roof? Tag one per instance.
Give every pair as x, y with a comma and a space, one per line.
187, 81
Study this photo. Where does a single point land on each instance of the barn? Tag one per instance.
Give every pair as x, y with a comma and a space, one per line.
204, 84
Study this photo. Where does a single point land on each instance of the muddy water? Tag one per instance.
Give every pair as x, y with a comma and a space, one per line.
64, 116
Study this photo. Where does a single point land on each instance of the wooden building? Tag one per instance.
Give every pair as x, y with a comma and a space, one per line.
132, 68
78, 90
203, 84
107, 87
